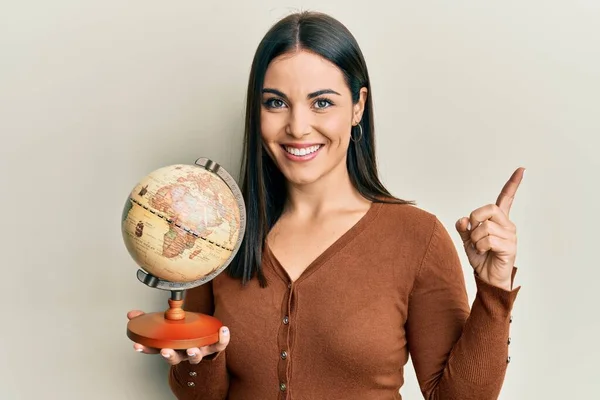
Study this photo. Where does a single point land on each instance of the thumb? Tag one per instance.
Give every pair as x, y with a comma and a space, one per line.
224, 337
462, 229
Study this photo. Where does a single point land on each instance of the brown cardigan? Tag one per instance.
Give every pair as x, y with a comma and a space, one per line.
390, 286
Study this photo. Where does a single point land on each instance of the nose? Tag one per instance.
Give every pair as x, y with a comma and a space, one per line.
299, 123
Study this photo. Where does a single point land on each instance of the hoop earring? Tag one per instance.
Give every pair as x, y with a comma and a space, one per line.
360, 129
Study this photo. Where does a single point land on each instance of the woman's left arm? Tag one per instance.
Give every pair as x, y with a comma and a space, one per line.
457, 352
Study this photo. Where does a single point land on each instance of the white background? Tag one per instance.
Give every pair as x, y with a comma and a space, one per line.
96, 94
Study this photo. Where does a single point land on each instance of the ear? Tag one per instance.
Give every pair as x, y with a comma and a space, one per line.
359, 107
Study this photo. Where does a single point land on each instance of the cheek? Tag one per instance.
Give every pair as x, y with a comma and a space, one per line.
270, 126
337, 129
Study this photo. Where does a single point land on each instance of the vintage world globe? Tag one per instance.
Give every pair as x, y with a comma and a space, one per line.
184, 223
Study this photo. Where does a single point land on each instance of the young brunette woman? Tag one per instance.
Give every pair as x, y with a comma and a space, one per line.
337, 281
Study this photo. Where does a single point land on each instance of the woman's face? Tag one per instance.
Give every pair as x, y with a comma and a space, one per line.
306, 116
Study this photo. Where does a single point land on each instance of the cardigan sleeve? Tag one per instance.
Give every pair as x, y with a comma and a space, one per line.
457, 353
207, 380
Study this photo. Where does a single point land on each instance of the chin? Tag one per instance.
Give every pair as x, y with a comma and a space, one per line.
312, 172
299, 179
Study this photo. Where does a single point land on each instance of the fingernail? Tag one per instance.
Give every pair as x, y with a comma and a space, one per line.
191, 353
166, 355
139, 350
469, 226
225, 330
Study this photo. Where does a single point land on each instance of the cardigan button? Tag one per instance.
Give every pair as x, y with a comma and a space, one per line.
508, 360
286, 320
191, 384
508, 340
282, 387
284, 355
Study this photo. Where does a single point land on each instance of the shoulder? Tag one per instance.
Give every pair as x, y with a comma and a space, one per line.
407, 235
422, 230
406, 226
406, 219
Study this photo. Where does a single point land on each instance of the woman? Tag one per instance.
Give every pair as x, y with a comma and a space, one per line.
337, 281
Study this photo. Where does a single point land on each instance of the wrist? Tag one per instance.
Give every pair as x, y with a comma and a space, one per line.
505, 284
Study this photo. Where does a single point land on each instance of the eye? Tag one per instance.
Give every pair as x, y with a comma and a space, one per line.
274, 103
321, 104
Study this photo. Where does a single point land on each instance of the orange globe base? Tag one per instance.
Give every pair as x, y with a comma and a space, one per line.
174, 329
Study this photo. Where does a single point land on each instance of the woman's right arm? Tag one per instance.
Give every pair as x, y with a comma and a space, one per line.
197, 373
204, 375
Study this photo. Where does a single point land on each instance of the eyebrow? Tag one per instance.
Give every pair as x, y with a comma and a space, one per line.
309, 96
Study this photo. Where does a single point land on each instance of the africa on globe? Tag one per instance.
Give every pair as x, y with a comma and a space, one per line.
182, 223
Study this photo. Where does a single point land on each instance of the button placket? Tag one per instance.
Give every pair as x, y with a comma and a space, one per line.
192, 374
284, 342
509, 339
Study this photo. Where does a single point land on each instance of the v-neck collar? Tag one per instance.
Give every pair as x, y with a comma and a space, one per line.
330, 251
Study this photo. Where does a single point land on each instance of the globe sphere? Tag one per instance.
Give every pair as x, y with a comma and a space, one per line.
181, 223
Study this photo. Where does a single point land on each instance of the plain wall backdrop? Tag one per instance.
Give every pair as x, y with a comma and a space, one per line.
96, 94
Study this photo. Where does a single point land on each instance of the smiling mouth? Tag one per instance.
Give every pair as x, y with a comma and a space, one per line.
301, 152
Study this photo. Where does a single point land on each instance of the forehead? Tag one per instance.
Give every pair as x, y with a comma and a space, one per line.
303, 72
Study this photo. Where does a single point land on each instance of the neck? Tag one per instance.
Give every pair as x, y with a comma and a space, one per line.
331, 192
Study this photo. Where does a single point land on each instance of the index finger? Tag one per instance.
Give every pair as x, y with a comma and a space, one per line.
172, 357
134, 313
507, 195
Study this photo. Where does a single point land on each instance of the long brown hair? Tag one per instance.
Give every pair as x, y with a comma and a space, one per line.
263, 185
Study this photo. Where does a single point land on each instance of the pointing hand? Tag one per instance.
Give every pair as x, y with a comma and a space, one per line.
490, 237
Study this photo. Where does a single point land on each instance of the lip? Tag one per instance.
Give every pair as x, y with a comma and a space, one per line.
301, 145
304, 158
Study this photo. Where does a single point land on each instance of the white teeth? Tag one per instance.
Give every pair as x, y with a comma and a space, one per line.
303, 151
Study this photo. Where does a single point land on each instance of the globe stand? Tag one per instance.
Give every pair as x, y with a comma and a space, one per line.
175, 328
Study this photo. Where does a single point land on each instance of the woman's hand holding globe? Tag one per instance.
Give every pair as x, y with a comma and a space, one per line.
193, 355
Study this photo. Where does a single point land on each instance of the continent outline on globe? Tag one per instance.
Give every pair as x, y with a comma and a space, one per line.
183, 224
